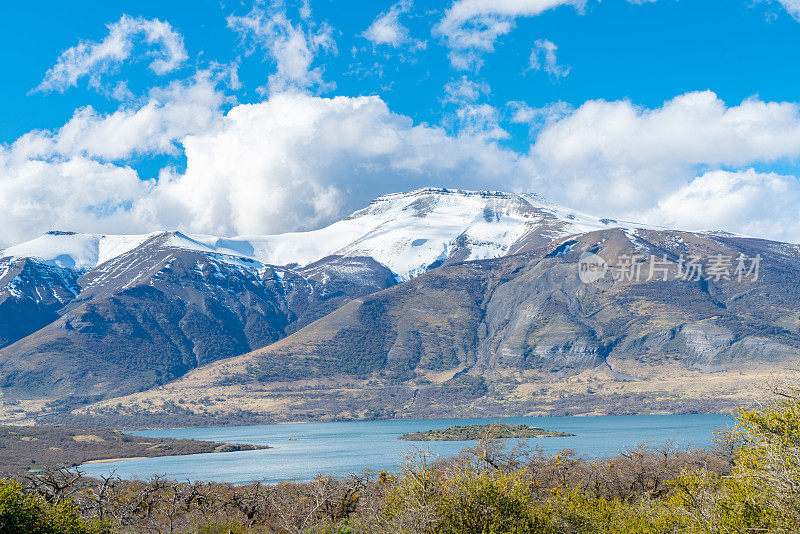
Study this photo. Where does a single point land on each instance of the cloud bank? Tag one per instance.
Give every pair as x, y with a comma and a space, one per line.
293, 161
296, 161
685, 164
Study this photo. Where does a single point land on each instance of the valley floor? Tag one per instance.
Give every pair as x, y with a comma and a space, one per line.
670, 390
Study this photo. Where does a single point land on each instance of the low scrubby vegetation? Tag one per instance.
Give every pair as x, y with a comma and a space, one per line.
485, 432
749, 482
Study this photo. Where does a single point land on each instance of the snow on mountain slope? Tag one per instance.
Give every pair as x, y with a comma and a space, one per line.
74, 251
407, 232
411, 232
579, 222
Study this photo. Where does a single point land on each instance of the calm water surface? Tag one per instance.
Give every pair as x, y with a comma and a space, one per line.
303, 450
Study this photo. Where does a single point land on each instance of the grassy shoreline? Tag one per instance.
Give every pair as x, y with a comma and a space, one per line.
33, 448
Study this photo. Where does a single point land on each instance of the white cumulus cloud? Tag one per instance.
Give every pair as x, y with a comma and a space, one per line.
792, 6
290, 46
746, 201
167, 116
72, 193
386, 29
93, 59
473, 26
293, 161
543, 57
620, 159
297, 161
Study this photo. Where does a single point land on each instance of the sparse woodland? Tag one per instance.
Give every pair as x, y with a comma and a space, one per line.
749, 482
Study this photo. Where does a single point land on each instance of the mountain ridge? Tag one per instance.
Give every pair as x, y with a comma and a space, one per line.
478, 339
436, 294
86, 251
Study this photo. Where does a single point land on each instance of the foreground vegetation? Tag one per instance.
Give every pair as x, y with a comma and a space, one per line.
749, 483
482, 432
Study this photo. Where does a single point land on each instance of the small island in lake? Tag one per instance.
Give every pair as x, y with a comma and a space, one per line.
477, 432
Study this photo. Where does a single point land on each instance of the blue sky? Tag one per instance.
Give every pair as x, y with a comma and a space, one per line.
256, 117
647, 53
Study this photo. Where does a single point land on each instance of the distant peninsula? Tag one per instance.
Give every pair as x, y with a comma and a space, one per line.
33, 448
477, 432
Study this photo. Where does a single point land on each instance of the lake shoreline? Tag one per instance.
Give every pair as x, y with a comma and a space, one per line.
301, 451
402, 419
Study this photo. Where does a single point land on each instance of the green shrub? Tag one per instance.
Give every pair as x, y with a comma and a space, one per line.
574, 512
219, 528
467, 501
762, 493
21, 513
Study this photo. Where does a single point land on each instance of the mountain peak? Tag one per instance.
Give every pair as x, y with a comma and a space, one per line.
60, 232
446, 192
409, 233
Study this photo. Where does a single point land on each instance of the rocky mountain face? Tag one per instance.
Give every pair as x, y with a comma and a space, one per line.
106, 314
521, 335
151, 314
32, 294
430, 303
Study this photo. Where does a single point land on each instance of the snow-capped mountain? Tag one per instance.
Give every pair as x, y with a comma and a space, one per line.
177, 300
71, 250
406, 232
108, 315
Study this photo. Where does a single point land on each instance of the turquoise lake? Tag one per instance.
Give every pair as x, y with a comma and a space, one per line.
303, 450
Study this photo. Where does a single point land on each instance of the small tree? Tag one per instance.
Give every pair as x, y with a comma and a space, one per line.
762, 492
22, 513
